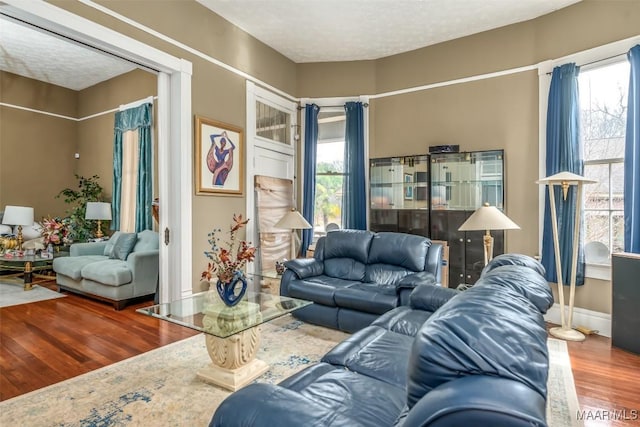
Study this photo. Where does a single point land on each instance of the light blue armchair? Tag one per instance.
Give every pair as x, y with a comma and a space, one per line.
121, 269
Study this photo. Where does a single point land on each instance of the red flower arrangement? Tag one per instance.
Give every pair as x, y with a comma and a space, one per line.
225, 262
54, 231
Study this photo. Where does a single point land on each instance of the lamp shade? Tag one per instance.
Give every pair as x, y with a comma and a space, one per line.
18, 215
566, 177
98, 210
488, 218
292, 220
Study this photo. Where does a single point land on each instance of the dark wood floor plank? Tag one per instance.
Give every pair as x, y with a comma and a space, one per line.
46, 342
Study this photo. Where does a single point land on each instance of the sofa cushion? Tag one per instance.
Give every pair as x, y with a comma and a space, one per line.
532, 286
72, 266
406, 250
344, 268
147, 241
375, 352
385, 273
348, 244
403, 320
368, 297
477, 333
320, 289
514, 259
365, 400
123, 246
111, 243
112, 272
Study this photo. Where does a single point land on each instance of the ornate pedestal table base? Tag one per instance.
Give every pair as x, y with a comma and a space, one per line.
234, 363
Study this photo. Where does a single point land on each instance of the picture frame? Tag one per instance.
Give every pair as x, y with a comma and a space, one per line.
219, 158
408, 187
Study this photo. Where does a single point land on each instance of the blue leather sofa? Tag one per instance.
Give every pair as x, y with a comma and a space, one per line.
450, 358
355, 276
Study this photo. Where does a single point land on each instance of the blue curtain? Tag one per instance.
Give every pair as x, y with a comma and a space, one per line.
354, 191
139, 118
564, 153
632, 158
309, 190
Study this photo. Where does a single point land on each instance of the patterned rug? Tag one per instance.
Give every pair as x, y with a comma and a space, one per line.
13, 293
160, 387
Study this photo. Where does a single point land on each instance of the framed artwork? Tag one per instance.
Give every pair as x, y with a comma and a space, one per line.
219, 150
408, 188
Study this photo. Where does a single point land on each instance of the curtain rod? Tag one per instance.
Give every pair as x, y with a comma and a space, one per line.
301, 107
598, 60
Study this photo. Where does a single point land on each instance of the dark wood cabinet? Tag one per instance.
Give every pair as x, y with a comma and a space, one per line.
461, 183
399, 194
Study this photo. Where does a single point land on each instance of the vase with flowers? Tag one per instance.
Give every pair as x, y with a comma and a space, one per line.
55, 231
227, 260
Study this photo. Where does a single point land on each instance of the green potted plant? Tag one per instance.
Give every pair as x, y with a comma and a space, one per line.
89, 190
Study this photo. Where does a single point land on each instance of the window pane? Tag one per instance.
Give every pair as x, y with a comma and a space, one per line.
618, 231
596, 196
272, 123
597, 227
330, 157
617, 186
328, 207
603, 110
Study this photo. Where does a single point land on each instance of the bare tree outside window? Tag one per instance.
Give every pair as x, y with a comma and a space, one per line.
603, 111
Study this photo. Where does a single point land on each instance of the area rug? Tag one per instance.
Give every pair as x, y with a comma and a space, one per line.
14, 294
160, 387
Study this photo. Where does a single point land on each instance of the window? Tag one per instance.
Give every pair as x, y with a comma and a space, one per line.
329, 172
272, 123
603, 112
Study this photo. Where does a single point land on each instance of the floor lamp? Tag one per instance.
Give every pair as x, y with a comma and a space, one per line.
565, 180
488, 218
293, 221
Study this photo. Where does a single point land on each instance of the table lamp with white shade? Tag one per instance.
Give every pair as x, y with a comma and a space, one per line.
100, 211
564, 180
18, 215
293, 221
488, 218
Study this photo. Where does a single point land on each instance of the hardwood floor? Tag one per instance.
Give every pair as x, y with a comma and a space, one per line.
47, 342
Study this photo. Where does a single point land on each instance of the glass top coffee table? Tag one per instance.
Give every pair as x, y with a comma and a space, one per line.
232, 334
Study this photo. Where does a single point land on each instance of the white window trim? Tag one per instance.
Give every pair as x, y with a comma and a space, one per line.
597, 56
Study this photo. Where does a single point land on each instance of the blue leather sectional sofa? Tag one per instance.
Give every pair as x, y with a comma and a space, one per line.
450, 358
355, 276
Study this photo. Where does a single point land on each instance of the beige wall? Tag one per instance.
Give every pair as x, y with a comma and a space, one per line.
496, 113
95, 135
36, 150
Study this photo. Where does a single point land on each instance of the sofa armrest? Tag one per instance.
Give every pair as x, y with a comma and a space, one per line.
269, 405
434, 261
420, 278
90, 248
145, 266
305, 267
430, 297
465, 401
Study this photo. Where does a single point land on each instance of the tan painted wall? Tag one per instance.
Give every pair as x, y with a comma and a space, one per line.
496, 113
36, 150
95, 135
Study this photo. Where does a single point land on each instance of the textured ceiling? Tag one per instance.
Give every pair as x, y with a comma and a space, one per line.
302, 30
31, 53
345, 30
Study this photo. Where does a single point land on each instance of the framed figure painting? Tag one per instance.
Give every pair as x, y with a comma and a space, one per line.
219, 158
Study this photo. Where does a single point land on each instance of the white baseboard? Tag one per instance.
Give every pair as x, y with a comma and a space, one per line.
595, 320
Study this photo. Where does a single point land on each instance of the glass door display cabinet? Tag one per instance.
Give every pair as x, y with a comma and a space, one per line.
399, 194
460, 184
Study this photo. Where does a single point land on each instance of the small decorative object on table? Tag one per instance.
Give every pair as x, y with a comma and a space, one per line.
227, 263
